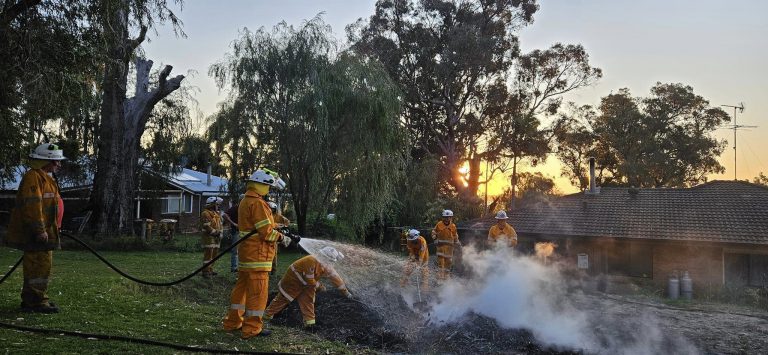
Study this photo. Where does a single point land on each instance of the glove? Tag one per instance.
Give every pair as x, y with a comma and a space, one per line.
347, 293
285, 241
320, 287
42, 237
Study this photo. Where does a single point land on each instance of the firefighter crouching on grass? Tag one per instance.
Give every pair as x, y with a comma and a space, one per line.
418, 257
211, 239
301, 282
249, 296
446, 237
34, 226
502, 231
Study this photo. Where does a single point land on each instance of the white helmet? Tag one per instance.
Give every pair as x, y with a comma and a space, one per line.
47, 151
213, 199
267, 177
447, 213
413, 234
331, 254
272, 205
501, 215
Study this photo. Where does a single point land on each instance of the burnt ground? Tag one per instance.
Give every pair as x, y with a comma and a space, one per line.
630, 322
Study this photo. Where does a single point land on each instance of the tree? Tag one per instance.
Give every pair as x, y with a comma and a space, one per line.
761, 179
124, 120
327, 121
663, 140
450, 59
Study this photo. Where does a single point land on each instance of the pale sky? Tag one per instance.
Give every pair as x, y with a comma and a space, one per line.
720, 48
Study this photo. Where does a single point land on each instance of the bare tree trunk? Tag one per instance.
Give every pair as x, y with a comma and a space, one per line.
123, 122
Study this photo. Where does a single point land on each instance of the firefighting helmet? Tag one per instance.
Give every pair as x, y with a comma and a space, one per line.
501, 215
413, 234
213, 199
47, 151
272, 205
447, 213
267, 177
331, 254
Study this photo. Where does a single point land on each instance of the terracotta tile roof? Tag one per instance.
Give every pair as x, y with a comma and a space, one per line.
719, 211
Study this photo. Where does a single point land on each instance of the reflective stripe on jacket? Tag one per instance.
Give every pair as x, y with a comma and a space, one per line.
257, 252
306, 272
417, 250
506, 232
35, 212
211, 221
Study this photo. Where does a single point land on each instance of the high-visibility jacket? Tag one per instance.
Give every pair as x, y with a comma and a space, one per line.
417, 250
257, 252
211, 222
280, 219
35, 212
307, 272
505, 232
446, 237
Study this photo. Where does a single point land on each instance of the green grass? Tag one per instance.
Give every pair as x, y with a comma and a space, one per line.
94, 299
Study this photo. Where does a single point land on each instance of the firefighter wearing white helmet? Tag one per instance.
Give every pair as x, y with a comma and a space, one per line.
280, 220
502, 233
255, 255
35, 223
302, 280
446, 237
418, 257
210, 221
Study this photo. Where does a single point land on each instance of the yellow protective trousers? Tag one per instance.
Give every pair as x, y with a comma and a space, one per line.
408, 270
248, 301
306, 300
208, 255
444, 264
37, 272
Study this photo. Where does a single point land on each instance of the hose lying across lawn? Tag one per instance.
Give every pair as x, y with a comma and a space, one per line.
132, 278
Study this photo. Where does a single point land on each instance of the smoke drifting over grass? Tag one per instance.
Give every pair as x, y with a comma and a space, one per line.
518, 292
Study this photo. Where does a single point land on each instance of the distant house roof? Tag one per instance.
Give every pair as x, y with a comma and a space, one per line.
189, 180
718, 211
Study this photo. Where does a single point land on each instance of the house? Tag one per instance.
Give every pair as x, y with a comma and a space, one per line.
179, 196
717, 231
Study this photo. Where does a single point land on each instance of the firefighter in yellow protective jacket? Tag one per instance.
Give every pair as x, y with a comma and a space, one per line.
446, 237
211, 240
249, 296
418, 257
302, 280
280, 220
34, 228
502, 231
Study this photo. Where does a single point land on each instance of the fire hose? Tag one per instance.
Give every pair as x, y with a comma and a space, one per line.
295, 239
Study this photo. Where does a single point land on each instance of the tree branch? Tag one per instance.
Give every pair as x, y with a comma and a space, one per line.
15, 10
132, 44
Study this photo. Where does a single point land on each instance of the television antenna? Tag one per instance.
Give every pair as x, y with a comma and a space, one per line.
736, 127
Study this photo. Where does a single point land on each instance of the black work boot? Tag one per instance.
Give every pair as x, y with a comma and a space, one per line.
49, 307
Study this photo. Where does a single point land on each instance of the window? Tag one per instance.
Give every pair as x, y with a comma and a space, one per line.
629, 259
173, 204
746, 270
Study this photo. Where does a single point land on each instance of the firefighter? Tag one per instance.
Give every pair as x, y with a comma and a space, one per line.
280, 220
212, 230
249, 296
418, 257
302, 280
502, 231
34, 226
446, 237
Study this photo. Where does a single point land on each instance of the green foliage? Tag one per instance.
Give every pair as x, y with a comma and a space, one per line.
761, 179
664, 139
327, 121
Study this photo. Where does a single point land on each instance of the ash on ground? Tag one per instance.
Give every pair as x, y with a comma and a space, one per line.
359, 325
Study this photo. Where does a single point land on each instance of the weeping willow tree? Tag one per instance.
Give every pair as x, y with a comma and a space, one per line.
327, 120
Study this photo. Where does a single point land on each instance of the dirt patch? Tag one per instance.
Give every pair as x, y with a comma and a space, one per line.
357, 324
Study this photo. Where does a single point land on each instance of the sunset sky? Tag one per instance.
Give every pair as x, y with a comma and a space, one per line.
718, 47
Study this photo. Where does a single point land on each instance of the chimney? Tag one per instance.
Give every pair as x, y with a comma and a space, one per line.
209, 182
592, 188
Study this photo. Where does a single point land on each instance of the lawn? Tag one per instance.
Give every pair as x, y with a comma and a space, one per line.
95, 299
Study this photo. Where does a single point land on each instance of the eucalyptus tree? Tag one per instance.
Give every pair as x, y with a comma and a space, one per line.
663, 140
124, 120
327, 120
